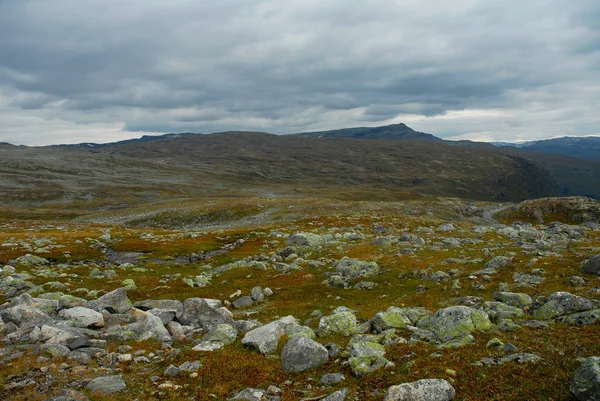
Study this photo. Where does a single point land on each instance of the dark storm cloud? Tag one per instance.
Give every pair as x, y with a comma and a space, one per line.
104, 69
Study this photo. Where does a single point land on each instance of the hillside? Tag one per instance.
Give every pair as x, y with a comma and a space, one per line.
235, 164
308, 163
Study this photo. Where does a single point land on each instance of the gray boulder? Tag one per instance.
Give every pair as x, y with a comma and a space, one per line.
223, 333
421, 390
302, 353
497, 263
339, 395
585, 384
592, 266
201, 312
353, 268
82, 317
581, 318
170, 305
115, 302
265, 338
516, 299
306, 239
150, 328
562, 303
243, 302
453, 325
251, 394
107, 384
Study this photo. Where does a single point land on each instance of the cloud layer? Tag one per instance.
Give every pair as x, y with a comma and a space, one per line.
103, 70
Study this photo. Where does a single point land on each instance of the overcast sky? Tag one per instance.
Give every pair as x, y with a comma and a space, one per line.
104, 70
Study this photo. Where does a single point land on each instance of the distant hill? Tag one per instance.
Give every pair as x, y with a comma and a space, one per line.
239, 163
395, 131
581, 147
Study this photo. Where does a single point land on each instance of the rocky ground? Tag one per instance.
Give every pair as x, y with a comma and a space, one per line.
434, 300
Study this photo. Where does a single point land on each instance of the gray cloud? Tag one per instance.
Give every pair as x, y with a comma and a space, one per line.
101, 70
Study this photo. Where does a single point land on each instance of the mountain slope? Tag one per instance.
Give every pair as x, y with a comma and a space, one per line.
396, 131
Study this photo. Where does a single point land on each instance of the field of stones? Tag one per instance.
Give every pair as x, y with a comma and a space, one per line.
303, 300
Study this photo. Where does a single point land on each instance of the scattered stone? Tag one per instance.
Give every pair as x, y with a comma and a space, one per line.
265, 338
115, 302
585, 384
302, 353
592, 266
421, 390
332, 378
107, 384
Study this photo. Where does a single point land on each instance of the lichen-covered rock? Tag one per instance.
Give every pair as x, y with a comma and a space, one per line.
306, 239
302, 353
421, 390
353, 268
363, 365
562, 303
293, 330
344, 323
499, 310
115, 302
516, 299
454, 325
585, 384
363, 347
581, 318
393, 318
31, 260
223, 333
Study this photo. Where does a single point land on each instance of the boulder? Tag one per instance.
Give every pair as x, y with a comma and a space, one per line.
201, 312
150, 328
592, 266
223, 333
306, 239
421, 390
265, 338
82, 317
585, 384
339, 395
454, 325
516, 299
302, 353
344, 323
393, 318
499, 310
164, 304
115, 302
353, 268
107, 384
560, 304
497, 263
251, 394
363, 365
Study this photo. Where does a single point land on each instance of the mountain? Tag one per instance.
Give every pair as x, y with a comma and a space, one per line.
242, 163
395, 131
581, 147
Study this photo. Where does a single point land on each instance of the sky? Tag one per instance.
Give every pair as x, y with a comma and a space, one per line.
75, 71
